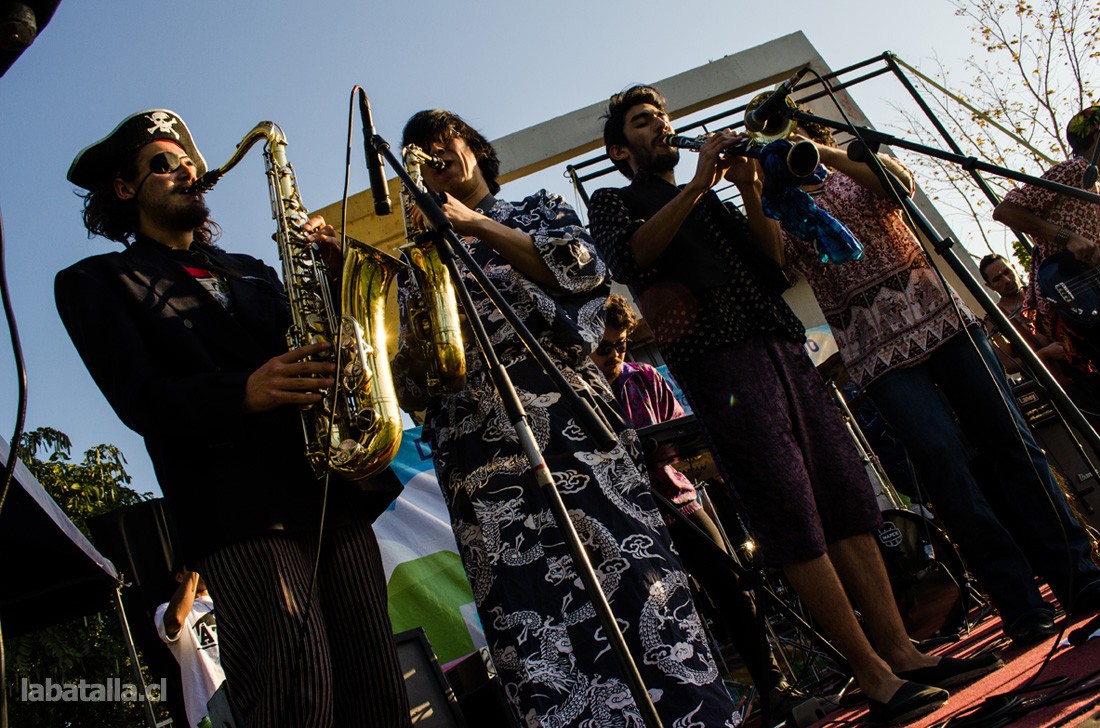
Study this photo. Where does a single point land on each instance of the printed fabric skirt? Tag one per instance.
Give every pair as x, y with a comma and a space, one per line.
546, 641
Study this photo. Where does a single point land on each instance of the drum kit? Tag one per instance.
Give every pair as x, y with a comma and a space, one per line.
931, 587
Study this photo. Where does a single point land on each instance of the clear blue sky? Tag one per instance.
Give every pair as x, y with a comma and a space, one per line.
224, 66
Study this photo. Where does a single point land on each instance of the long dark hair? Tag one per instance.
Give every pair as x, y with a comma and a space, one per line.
436, 125
107, 215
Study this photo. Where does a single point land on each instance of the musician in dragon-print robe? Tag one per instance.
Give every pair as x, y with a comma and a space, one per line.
543, 633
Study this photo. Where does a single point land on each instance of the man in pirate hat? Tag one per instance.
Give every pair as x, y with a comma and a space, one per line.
188, 344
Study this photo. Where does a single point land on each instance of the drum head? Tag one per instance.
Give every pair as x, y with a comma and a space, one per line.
925, 573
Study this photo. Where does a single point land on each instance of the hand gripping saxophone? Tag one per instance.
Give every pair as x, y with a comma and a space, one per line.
355, 430
433, 311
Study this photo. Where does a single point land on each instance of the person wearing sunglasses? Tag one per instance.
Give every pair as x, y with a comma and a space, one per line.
188, 344
647, 399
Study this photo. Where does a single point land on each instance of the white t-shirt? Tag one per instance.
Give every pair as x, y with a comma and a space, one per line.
196, 650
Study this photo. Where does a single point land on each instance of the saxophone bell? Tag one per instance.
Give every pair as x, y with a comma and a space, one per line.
354, 431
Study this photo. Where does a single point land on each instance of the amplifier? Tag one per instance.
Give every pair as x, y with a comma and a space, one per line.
1057, 440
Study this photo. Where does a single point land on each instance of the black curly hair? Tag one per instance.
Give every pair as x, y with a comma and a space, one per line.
619, 315
818, 132
116, 219
436, 125
614, 126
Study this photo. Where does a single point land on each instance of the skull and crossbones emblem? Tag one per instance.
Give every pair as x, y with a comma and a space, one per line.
163, 123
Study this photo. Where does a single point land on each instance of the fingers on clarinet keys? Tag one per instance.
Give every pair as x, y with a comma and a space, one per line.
911, 701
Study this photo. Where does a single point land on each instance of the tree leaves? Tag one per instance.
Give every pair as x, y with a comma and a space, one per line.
1032, 75
89, 648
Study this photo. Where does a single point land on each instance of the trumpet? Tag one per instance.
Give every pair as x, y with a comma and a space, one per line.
802, 159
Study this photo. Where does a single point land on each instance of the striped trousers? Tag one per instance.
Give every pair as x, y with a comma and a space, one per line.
293, 664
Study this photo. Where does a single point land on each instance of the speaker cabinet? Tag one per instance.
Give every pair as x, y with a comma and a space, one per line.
432, 704
480, 695
140, 540
1066, 456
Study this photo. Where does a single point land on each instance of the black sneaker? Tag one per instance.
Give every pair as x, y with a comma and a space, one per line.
951, 671
911, 701
1031, 627
1087, 600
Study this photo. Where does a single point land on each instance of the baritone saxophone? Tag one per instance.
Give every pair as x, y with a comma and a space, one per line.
355, 430
433, 319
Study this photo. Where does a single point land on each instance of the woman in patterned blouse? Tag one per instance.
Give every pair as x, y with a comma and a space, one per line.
921, 357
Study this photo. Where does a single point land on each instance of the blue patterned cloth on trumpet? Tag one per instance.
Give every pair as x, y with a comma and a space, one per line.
785, 201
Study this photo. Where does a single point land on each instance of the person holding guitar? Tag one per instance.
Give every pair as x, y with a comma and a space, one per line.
1065, 231
1080, 383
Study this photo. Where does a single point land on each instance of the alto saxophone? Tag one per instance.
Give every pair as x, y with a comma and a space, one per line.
354, 431
433, 309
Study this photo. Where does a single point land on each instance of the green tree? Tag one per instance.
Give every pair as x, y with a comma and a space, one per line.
1034, 69
90, 648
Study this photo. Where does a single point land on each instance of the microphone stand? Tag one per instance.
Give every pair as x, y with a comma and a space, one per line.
1089, 178
449, 246
862, 150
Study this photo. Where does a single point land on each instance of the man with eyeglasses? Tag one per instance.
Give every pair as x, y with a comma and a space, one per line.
647, 399
188, 344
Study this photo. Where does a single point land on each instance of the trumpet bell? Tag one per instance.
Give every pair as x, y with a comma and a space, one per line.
776, 128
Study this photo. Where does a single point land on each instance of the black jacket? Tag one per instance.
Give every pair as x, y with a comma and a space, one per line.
173, 363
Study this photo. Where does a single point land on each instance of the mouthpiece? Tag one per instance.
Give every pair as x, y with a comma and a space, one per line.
683, 142
204, 183
415, 156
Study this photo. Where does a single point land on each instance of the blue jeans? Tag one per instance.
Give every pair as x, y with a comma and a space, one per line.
1020, 525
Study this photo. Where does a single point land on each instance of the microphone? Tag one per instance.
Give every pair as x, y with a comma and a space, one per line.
377, 173
758, 118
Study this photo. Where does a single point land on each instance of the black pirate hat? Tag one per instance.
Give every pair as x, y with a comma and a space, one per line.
102, 159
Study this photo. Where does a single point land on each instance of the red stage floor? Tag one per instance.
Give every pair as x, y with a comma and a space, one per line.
1024, 666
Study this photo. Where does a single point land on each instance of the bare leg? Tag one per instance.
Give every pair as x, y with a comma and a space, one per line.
859, 564
819, 588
